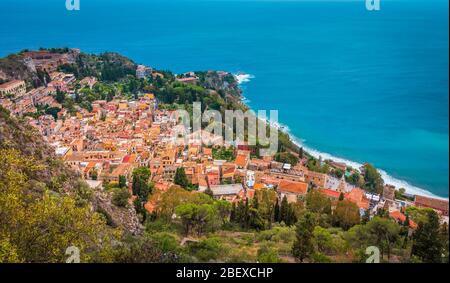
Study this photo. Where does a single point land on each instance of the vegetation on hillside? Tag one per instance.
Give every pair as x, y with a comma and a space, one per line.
45, 207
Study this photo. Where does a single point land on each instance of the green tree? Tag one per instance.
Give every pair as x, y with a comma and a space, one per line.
366, 217
380, 232
8, 253
385, 232
445, 241
143, 250
195, 216
373, 181
303, 246
323, 239
427, 244
266, 199
53, 111
122, 181
284, 209
240, 213
355, 179
300, 153
44, 220
223, 209
175, 196
317, 202
276, 209
186, 213
233, 213
60, 96
254, 219
346, 214
207, 249
266, 254
141, 186
291, 217
286, 157
120, 197
181, 178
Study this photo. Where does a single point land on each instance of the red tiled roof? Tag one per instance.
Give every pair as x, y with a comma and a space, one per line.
228, 171
299, 188
400, 217
330, 193
438, 204
13, 82
358, 197
126, 158
258, 186
241, 160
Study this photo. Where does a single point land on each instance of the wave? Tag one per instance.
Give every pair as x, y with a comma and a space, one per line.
243, 77
245, 100
388, 179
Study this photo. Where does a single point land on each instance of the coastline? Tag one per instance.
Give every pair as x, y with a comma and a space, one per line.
243, 78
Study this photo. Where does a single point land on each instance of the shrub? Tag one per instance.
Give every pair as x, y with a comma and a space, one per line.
120, 197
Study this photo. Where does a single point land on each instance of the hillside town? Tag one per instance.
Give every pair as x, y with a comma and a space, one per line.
108, 142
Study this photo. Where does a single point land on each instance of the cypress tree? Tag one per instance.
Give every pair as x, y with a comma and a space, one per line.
292, 218
366, 217
284, 209
255, 203
303, 246
277, 211
122, 181
445, 241
180, 178
240, 213
427, 244
233, 213
246, 217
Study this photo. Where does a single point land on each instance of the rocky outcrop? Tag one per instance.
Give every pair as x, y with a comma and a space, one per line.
223, 82
16, 67
122, 217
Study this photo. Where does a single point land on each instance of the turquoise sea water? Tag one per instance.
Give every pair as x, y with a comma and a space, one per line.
359, 85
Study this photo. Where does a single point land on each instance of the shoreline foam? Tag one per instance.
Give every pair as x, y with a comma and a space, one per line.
388, 179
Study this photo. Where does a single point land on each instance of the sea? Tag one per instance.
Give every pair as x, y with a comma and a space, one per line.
348, 83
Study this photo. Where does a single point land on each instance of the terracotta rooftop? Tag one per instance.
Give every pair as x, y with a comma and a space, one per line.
438, 204
241, 160
358, 197
8, 84
400, 217
330, 193
299, 188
